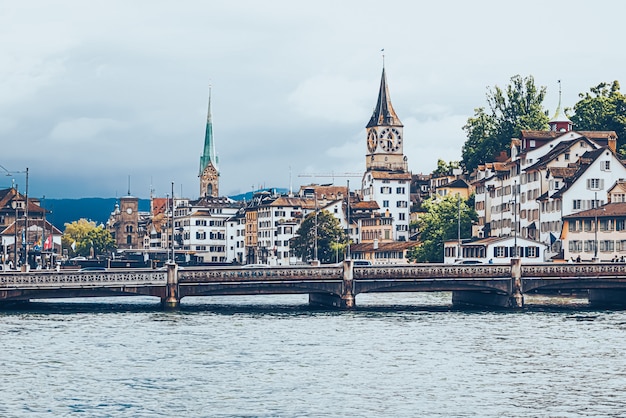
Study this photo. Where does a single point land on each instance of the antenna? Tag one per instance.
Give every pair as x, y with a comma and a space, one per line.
129, 184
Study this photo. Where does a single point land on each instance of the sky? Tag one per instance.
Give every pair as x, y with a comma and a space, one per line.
99, 97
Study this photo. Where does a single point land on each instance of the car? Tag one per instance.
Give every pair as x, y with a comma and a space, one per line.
95, 268
255, 266
468, 262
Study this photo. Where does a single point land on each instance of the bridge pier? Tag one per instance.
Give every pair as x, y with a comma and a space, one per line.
343, 301
607, 297
172, 295
514, 298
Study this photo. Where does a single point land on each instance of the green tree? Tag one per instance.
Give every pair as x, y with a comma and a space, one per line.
331, 238
603, 108
511, 110
80, 236
440, 223
444, 168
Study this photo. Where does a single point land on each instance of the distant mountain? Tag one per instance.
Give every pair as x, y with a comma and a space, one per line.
92, 208
99, 209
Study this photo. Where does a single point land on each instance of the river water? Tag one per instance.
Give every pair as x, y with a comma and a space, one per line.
396, 355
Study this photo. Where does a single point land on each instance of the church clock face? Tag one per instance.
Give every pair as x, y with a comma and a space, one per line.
372, 141
390, 139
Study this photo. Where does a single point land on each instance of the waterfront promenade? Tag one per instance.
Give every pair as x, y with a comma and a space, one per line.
497, 285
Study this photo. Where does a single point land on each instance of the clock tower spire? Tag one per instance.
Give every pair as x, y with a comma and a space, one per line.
385, 134
209, 174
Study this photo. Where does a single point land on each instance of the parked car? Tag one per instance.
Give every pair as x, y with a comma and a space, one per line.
468, 261
93, 269
255, 266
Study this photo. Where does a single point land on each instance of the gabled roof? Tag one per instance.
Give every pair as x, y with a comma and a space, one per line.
606, 210
585, 162
389, 175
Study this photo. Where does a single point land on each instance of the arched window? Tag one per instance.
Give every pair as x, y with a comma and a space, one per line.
209, 190
129, 239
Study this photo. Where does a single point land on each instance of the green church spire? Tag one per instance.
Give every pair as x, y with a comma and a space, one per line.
208, 155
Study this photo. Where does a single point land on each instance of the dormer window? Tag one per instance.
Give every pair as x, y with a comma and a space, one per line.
531, 143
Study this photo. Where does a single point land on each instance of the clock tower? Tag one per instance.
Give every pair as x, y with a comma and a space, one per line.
385, 134
209, 174
387, 180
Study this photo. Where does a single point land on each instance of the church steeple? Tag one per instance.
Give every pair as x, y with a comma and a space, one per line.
560, 122
208, 162
385, 134
384, 115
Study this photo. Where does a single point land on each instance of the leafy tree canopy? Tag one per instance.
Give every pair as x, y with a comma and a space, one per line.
511, 110
331, 238
441, 223
603, 108
80, 236
444, 168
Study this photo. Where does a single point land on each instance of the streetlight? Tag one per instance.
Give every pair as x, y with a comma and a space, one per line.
595, 226
25, 242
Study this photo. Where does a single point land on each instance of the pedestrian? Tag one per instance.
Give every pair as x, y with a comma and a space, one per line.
578, 259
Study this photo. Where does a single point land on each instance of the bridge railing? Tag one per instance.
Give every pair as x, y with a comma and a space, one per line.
279, 273
53, 279
573, 270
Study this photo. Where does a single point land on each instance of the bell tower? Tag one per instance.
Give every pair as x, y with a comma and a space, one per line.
385, 136
209, 174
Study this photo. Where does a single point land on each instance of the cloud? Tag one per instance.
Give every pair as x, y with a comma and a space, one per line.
83, 129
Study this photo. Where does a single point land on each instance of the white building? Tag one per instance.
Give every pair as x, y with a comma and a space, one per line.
494, 250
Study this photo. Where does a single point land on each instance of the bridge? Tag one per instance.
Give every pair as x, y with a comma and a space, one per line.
333, 285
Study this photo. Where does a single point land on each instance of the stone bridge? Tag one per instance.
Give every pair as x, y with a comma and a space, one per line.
334, 285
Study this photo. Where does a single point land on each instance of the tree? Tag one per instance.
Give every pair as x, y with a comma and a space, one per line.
439, 224
82, 235
445, 169
331, 238
602, 109
512, 110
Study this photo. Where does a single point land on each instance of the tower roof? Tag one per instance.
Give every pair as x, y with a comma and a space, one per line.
384, 115
559, 115
208, 155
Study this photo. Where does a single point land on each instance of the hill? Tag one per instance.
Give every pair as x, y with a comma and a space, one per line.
93, 208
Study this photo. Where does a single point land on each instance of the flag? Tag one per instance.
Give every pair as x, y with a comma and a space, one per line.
48, 244
74, 246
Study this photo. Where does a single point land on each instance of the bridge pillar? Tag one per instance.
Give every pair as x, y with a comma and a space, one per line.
516, 298
346, 299
347, 289
607, 297
172, 297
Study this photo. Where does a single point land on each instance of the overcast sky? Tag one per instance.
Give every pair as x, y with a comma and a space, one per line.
96, 92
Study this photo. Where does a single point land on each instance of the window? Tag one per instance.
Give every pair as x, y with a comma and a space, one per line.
575, 246
577, 204
385, 190
400, 190
566, 156
606, 245
595, 184
500, 252
532, 252
605, 165
385, 203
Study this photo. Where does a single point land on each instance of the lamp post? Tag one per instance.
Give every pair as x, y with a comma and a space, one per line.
595, 227
14, 204
515, 216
